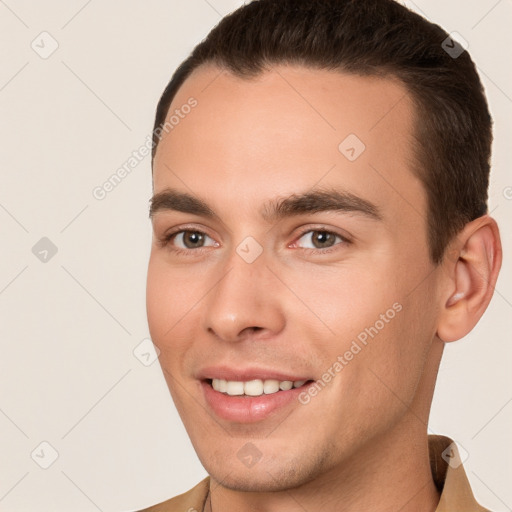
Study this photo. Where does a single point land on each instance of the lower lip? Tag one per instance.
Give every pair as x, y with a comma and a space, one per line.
248, 409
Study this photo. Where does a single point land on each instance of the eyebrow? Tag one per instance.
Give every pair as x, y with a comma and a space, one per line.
313, 201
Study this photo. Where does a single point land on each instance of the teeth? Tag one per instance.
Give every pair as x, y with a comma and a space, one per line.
255, 387
270, 386
235, 388
286, 385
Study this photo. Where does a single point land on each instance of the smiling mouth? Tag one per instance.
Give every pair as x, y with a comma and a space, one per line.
256, 387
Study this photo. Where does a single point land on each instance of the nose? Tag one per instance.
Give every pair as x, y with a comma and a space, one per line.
246, 301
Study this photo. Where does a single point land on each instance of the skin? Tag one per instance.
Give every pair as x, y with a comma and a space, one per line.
361, 443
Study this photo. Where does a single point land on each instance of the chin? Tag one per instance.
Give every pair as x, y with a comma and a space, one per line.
257, 481
276, 474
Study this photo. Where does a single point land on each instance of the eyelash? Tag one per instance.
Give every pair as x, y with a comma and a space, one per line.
193, 252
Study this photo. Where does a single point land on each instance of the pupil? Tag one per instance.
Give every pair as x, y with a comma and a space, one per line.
323, 238
193, 237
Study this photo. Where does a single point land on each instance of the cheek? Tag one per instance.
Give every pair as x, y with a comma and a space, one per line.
157, 300
169, 301
369, 322
347, 301
394, 358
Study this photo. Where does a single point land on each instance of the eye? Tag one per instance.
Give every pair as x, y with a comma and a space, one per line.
191, 239
186, 240
321, 240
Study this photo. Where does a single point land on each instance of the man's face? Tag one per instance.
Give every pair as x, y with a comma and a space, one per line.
242, 296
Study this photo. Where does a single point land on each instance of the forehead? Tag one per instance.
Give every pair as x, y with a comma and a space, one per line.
287, 130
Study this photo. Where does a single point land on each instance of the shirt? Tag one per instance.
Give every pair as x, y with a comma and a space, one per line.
447, 471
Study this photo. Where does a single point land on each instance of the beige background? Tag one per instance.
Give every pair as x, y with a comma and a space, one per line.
69, 325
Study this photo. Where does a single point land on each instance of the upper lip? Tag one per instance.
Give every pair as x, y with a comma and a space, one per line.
246, 374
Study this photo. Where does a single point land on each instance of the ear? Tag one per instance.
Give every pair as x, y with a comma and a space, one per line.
471, 264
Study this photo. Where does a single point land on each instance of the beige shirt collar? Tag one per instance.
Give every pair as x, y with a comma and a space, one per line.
447, 471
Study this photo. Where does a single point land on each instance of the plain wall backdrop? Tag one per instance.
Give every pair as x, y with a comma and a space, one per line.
79, 83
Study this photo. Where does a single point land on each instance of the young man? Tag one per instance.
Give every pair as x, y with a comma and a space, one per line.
320, 173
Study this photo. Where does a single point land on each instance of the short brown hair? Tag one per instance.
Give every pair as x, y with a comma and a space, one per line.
453, 127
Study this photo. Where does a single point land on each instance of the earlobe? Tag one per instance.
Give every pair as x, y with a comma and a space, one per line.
470, 279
